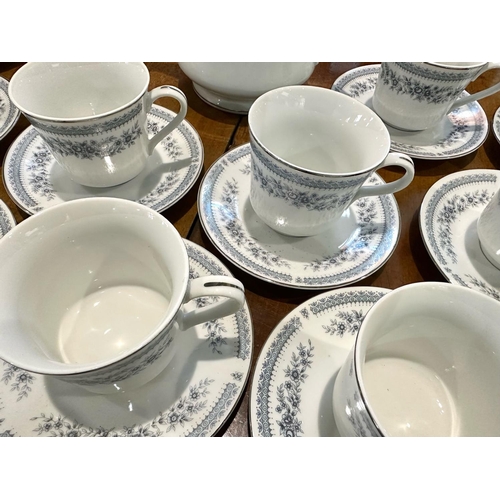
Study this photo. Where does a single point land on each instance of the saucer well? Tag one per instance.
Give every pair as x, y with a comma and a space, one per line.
9, 114
193, 396
448, 220
292, 385
355, 247
34, 180
7, 220
461, 132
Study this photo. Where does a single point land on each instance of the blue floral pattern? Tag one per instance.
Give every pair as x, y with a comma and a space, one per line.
29, 166
451, 204
230, 223
9, 114
281, 398
466, 131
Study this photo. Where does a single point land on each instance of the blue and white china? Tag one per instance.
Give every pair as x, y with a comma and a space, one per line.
312, 152
97, 292
488, 229
35, 181
358, 244
496, 125
9, 114
418, 95
194, 396
234, 86
7, 219
292, 386
93, 116
448, 223
459, 133
424, 363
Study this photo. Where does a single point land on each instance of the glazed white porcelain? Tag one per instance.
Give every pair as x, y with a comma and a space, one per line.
488, 230
312, 153
425, 363
94, 290
93, 116
417, 95
233, 86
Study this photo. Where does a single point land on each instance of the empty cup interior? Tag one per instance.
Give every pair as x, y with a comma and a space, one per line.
318, 129
84, 287
427, 363
77, 90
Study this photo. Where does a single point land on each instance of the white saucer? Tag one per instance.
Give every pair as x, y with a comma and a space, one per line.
292, 385
461, 132
355, 247
9, 114
496, 125
7, 220
34, 180
448, 219
193, 396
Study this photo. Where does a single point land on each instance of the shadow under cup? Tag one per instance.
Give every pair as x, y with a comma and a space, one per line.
427, 363
83, 289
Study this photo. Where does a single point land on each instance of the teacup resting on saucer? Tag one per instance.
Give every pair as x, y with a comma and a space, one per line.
488, 230
416, 96
424, 363
93, 116
93, 292
312, 153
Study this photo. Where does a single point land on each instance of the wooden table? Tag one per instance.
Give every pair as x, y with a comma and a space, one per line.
221, 131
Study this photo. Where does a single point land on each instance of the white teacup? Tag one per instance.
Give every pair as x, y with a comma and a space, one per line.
93, 116
425, 363
417, 95
312, 152
488, 230
94, 291
234, 86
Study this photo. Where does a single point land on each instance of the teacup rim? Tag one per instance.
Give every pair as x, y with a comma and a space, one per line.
79, 119
298, 168
62, 369
457, 66
356, 359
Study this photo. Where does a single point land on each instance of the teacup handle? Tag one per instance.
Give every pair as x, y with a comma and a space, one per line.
229, 288
481, 94
166, 91
392, 160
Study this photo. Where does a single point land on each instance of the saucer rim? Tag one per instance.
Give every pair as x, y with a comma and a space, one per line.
39, 207
7, 217
335, 87
16, 114
271, 337
495, 124
422, 215
377, 267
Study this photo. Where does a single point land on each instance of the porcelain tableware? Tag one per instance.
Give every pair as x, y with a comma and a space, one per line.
94, 290
448, 224
9, 114
194, 396
233, 86
459, 133
312, 153
93, 116
291, 394
417, 95
356, 245
496, 125
35, 181
424, 363
7, 219
488, 230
